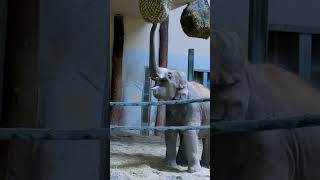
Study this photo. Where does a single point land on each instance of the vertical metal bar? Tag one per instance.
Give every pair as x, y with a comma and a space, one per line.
305, 48
3, 29
105, 120
106, 114
258, 31
210, 75
205, 79
146, 97
190, 64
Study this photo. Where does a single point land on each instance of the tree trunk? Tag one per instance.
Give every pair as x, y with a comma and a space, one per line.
163, 62
116, 82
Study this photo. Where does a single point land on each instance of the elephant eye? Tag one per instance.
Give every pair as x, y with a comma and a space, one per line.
169, 75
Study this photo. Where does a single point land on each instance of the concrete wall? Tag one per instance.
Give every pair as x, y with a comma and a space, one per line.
72, 70
136, 57
294, 12
232, 15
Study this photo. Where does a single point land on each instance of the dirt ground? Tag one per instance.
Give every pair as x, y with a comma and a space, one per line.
137, 157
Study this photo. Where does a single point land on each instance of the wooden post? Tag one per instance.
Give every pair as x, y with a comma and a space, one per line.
116, 82
190, 64
163, 62
163, 47
305, 47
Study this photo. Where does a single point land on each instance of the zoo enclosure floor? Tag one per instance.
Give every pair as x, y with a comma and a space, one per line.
136, 157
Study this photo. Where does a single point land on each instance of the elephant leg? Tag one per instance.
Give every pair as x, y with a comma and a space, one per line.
182, 157
190, 138
171, 143
205, 157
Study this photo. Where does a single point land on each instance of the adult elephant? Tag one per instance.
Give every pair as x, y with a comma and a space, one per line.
245, 91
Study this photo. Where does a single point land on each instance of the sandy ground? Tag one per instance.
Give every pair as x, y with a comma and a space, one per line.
139, 157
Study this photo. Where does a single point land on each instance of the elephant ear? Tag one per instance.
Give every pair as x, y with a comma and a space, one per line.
182, 89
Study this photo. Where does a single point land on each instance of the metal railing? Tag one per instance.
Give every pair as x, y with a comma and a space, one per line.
159, 103
216, 127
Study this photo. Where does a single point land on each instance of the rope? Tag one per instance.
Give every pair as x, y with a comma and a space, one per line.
164, 128
159, 103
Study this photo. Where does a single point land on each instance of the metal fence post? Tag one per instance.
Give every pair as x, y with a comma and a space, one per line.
190, 64
305, 48
3, 27
258, 31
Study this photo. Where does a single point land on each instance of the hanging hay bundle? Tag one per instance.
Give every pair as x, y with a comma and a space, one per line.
155, 11
195, 19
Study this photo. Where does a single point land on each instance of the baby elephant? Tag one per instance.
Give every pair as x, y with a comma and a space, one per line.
173, 85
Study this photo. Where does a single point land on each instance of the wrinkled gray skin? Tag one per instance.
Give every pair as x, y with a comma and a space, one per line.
173, 85
244, 91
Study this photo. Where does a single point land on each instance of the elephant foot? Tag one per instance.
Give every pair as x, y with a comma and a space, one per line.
182, 160
205, 163
194, 168
171, 164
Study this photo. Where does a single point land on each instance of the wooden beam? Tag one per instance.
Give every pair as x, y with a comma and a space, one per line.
163, 46
117, 57
258, 31
305, 50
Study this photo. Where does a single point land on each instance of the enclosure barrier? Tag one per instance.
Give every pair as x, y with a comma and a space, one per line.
216, 127
159, 103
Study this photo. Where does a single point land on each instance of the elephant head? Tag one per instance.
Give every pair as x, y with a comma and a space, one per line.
169, 84
229, 58
230, 84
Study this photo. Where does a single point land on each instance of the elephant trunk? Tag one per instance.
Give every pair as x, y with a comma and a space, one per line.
154, 70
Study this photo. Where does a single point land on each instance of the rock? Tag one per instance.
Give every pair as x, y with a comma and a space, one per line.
195, 19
